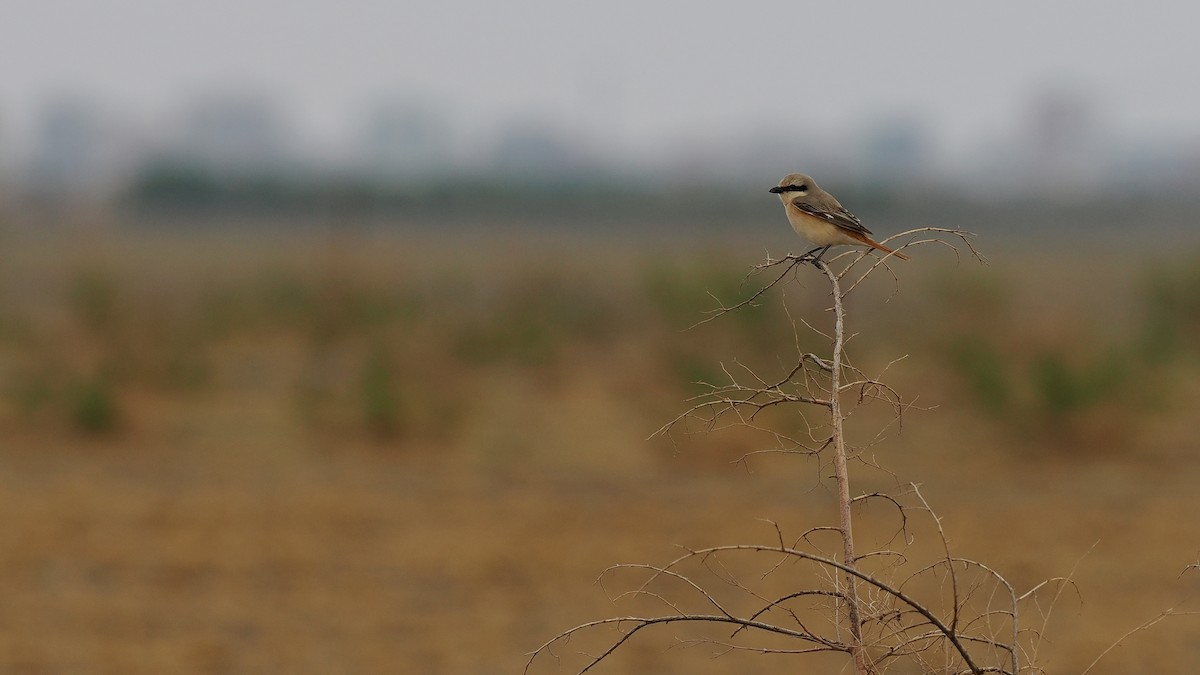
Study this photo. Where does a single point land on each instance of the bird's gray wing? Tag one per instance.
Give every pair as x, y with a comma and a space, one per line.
834, 213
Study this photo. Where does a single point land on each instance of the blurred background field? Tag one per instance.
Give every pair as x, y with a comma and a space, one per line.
327, 450
333, 341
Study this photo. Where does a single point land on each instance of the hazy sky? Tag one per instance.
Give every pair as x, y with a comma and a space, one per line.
628, 71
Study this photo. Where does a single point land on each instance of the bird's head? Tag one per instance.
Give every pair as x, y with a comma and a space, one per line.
794, 185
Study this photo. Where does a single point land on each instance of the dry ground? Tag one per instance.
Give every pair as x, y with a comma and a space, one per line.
231, 527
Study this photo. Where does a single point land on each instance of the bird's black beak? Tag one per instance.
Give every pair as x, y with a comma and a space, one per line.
777, 189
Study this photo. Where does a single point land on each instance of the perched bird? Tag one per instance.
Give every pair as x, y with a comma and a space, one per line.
817, 216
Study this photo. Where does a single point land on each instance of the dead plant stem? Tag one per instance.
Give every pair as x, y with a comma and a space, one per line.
842, 474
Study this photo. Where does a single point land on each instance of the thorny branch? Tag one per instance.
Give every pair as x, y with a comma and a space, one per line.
951, 615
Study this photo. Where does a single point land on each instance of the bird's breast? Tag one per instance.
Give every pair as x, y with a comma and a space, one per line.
817, 230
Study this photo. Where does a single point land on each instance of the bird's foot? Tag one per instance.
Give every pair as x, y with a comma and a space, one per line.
820, 251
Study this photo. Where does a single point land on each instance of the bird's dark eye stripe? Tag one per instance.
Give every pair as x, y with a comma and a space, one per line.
801, 188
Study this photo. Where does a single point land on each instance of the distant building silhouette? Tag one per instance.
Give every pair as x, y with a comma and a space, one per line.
404, 142
531, 152
894, 154
239, 133
1062, 143
73, 148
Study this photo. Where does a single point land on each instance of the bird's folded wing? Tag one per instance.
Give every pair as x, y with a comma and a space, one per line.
835, 215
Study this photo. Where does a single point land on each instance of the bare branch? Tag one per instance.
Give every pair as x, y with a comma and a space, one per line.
873, 613
791, 260
1057, 594
645, 622
896, 593
1145, 625
657, 573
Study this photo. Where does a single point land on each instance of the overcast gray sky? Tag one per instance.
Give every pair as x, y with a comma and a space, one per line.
624, 70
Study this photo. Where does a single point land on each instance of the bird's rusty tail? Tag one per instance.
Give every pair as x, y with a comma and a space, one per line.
876, 245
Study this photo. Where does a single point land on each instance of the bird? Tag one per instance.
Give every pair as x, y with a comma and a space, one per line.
817, 216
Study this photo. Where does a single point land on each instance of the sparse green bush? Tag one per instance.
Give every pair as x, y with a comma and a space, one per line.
1051, 393
93, 406
45, 392
1171, 305
1062, 388
986, 372
380, 397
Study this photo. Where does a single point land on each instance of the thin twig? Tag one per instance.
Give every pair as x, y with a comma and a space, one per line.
1136, 629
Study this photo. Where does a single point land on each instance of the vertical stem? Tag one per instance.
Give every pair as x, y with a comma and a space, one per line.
842, 474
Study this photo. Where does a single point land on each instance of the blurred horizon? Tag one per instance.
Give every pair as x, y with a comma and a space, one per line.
375, 103
1057, 148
